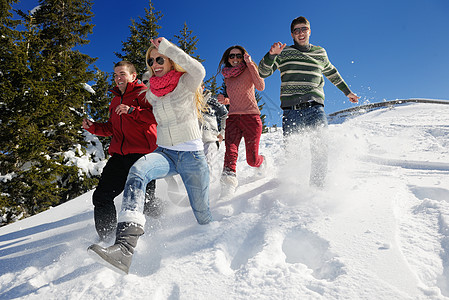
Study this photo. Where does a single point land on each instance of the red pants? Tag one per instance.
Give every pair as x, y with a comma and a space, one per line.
248, 127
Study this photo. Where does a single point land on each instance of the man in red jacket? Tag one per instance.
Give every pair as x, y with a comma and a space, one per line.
133, 129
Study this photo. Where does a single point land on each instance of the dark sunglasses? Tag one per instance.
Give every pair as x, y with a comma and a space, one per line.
300, 29
239, 56
160, 61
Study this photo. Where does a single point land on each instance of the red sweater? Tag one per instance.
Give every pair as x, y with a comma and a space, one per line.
241, 93
131, 133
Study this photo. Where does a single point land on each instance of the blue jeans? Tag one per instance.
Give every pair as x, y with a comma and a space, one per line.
192, 167
311, 121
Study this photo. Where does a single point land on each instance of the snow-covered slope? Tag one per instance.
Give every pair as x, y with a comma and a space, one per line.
379, 230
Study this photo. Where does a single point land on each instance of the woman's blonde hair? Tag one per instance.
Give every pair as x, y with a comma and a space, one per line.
199, 102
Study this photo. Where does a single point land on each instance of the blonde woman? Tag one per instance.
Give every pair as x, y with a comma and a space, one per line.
175, 94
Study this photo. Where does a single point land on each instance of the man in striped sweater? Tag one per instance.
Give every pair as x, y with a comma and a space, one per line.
302, 67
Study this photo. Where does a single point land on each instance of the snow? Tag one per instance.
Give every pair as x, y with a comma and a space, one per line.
35, 9
88, 88
379, 229
93, 161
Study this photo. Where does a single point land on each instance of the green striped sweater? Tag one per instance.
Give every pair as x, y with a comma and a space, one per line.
302, 74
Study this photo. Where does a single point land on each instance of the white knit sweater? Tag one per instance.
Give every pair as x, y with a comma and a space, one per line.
176, 114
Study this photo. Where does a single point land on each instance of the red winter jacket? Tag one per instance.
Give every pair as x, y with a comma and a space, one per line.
134, 132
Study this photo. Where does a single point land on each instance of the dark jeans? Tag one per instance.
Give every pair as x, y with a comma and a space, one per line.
311, 122
111, 184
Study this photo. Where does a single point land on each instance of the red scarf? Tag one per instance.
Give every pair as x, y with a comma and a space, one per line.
234, 71
161, 86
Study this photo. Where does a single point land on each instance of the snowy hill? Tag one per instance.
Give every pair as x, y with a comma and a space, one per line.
379, 230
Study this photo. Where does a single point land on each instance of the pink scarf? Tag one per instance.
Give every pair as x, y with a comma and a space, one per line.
161, 86
234, 71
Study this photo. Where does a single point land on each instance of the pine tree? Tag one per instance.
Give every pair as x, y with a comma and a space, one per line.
136, 46
187, 42
211, 85
63, 26
96, 107
12, 70
45, 112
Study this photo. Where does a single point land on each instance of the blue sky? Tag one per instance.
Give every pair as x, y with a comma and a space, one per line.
385, 50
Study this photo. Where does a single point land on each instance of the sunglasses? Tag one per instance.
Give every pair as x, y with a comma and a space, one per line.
300, 29
160, 61
239, 56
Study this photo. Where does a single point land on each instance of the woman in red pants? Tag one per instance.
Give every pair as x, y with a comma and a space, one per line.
241, 78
